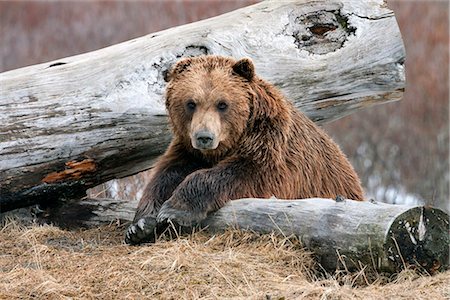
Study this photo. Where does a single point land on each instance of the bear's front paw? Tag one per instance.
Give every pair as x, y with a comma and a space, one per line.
183, 217
144, 230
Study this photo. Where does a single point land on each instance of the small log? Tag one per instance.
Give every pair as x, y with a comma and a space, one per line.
342, 235
73, 123
384, 237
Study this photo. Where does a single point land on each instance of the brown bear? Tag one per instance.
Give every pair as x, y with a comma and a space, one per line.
235, 136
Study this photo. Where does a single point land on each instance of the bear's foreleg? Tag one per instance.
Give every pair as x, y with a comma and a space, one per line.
206, 191
160, 188
169, 172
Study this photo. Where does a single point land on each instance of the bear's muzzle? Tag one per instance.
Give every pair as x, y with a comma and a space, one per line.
204, 140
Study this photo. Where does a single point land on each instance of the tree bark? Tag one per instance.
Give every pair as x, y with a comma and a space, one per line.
342, 235
73, 123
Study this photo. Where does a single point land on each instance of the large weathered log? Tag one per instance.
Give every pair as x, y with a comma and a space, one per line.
70, 124
348, 234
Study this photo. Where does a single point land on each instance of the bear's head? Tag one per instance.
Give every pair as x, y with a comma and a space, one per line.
210, 100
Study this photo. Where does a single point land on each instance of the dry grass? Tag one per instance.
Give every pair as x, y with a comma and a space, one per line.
45, 262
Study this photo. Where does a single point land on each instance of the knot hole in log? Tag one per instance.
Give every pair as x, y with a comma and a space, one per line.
163, 64
320, 32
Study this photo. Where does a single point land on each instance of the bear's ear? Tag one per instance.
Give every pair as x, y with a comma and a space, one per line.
244, 67
177, 69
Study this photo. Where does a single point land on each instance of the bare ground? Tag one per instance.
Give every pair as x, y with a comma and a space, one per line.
45, 262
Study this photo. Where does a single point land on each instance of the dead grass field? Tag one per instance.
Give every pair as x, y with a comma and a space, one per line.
45, 262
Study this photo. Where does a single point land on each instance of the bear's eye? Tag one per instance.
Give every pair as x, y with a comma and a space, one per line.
191, 105
222, 106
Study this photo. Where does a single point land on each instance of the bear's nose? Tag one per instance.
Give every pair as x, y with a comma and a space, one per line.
204, 139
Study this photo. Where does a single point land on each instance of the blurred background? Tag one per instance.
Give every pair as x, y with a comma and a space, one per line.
400, 150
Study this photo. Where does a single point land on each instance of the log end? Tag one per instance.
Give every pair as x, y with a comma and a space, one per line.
419, 239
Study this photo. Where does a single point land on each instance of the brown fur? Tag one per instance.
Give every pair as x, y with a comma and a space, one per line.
265, 146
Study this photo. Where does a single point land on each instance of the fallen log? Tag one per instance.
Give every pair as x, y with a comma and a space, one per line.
349, 234
342, 235
73, 123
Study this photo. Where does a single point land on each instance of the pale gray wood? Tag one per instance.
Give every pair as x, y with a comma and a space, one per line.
345, 235
106, 107
383, 237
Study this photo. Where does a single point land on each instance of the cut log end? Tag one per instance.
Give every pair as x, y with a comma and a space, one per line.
419, 238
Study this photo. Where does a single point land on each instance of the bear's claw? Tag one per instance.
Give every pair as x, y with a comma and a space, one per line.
168, 213
144, 230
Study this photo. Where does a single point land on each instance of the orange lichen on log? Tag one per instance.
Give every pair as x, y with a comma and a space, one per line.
74, 170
